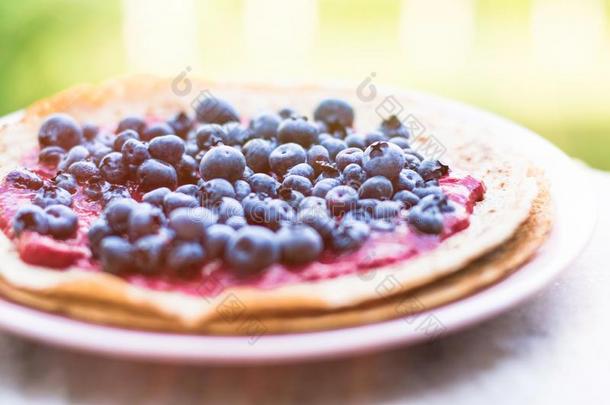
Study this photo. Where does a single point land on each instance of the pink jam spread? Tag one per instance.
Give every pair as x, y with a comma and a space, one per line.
379, 250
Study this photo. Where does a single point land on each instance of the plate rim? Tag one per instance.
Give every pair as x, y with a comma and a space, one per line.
61, 331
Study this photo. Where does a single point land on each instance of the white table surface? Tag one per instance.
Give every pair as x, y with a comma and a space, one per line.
553, 349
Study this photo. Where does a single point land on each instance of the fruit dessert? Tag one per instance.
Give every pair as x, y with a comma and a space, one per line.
121, 204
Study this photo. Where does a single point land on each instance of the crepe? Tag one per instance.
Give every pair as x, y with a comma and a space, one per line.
504, 215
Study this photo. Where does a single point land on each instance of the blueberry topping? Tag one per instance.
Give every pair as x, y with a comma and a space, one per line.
136, 124
174, 200
154, 173
256, 152
263, 183
149, 252
297, 183
134, 151
212, 191
353, 175
222, 162
387, 209
66, 181
393, 127
279, 212
229, 207
76, 154
117, 214
265, 126
299, 244
123, 137
407, 198
209, 135
216, 111
236, 222
30, 218
145, 219
349, 156
341, 199
242, 189
251, 249
297, 130
375, 136
51, 155
302, 169
83, 171
286, 156
378, 187
113, 168
62, 221
425, 217
356, 140
97, 232
155, 130
432, 170
322, 187
168, 148
188, 189
191, 223
336, 114
181, 123
60, 130
349, 235
185, 256
216, 239
116, 254
24, 178
51, 195
333, 146
383, 159
156, 196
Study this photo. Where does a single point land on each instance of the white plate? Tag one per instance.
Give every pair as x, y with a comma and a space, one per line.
573, 227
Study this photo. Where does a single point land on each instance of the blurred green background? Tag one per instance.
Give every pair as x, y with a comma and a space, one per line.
542, 63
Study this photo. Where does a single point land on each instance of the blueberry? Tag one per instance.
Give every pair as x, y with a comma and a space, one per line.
94, 188
286, 156
256, 152
154, 173
191, 223
316, 155
212, 191
265, 126
302, 169
382, 225
299, 244
252, 249
236, 222
432, 169
76, 154
83, 171
408, 180
322, 187
356, 140
168, 148
229, 207
297, 130
318, 219
217, 237
149, 252
236, 133
187, 170
422, 192
407, 198
191, 148
123, 137
242, 189
336, 114
90, 131
287, 112
349, 156
393, 127
358, 214
383, 159
353, 175
334, 146
328, 171
368, 205
341, 199
387, 209
62, 221
263, 183
24, 178
111, 192
292, 197
51, 155
313, 202
412, 162
134, 151
97, 232
98, 152
375, 136
155, 130
134, 123
349, 235
247, 173
401, 142
117, 214
60, 130
185, 256
188, 189
298, 183
30, 218
145, 220
378, 187
426, 218
279, 212
116, 255
155, 197
222, 162
216, 111
114, 169
181, 123
209, 135
256, 208
173, 200
51, 195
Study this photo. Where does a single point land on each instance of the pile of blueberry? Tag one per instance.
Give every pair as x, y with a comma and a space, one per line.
281, 189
